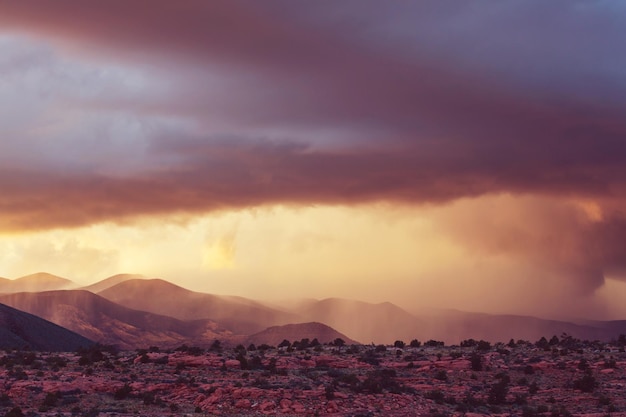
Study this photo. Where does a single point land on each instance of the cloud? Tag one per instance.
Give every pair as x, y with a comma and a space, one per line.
235, 105
559, 238
61, 255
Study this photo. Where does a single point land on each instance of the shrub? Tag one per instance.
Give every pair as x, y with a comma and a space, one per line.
14, 412
436, 395
483, 345
476, 361
415, 343
51, 399
339, 342
399, 344
586, 384
468, 343
498, 392
441, 375
123, 392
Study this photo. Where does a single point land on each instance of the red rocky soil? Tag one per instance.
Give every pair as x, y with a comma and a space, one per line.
559, 379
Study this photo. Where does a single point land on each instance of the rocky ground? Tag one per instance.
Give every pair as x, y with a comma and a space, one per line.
559, 377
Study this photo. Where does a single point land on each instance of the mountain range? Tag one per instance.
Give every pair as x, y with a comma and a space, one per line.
241, 315
132, 311
103, 321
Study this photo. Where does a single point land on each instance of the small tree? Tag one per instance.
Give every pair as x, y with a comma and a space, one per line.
586, 384
399, 344
339, 342
476, 362
415, 343
123, 392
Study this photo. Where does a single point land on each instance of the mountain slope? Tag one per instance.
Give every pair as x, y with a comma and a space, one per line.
41, 281
365, 322
292, 332
455, 326
110, 282
241, 315
22, 330
106, 322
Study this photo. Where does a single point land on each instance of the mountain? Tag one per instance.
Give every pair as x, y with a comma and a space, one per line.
110, 282
41, 281
454, 326
292, 332
238, 314
365, 322
19, 329
106, 322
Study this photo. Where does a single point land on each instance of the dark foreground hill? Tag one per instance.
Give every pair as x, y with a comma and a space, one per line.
19, 329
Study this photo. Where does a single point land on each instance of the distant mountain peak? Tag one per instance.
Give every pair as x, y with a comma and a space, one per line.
39, 281
298, 331
111, 281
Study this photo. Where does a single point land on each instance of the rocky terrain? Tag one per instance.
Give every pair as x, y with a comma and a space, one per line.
561, 376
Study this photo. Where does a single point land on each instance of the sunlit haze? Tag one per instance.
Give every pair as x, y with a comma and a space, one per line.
433, 154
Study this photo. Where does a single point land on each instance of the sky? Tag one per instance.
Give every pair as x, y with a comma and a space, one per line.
466, 155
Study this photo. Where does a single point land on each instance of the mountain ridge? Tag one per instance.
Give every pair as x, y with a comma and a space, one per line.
241, 315
106, 322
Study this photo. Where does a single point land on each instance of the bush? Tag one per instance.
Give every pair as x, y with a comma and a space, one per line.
476, 362
123, 392
415, 343
586, 384
483, 345
339, 342
436, 395
441, 375
14, 412
468, 343
498, 392
399, 344
51, 400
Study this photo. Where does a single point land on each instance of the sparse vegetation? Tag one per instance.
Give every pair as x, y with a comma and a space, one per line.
324, 373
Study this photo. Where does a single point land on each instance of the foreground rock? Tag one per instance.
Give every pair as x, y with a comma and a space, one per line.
564, 378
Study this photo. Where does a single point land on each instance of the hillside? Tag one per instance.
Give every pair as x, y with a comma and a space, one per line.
274, 335
454, 326
19, 329
365, 322
238, 314
106, 322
